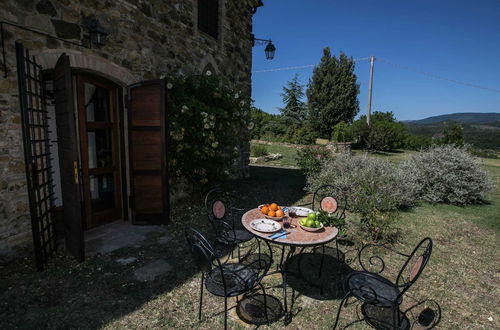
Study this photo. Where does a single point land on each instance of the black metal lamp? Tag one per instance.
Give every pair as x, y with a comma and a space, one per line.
270, 48
97, 33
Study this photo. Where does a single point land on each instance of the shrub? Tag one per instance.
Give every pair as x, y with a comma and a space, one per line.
342, 133
449, 174
374, 188
258, 150
383, 133
309, 159
206, 122
416, 142
370, 183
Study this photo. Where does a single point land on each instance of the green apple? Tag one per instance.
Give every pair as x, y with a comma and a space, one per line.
312, 216
309, 223
317, 224
303, 221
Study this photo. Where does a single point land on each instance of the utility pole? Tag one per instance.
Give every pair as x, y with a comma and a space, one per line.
370, 84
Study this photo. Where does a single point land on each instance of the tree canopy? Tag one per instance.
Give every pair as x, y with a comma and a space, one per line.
332, 93
293, 93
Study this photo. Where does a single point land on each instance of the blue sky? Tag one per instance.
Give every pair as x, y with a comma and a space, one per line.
455, 39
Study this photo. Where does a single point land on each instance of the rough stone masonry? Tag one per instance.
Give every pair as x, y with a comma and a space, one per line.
148, 39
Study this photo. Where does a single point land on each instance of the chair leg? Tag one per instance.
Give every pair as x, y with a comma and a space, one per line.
265, 303
225, 313
342, 302
201, 295
395, 318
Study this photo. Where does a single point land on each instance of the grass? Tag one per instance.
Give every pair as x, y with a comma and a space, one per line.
462, 275
289, 155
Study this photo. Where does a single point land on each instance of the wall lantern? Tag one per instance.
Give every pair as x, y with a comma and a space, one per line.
97, 33
270, 48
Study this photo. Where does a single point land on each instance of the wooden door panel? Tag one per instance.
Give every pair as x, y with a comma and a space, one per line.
145, 104
68, 157
147, 150
147, 128
149, 194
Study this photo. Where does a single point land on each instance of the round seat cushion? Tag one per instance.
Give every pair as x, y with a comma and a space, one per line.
239, 279
373, 289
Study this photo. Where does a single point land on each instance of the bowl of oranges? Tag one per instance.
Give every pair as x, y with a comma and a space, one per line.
272, 211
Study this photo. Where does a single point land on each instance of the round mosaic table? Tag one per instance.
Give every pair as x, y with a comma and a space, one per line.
295, 236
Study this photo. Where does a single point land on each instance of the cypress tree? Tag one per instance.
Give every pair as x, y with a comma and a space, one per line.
332, 93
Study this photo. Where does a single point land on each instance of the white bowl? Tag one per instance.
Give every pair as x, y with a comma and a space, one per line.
311, 229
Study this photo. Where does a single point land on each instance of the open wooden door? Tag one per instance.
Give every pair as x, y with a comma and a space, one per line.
68, 157
147, 127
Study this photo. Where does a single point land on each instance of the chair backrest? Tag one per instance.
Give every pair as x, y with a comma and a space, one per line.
330, 200
218, 205
201, 250
415, 264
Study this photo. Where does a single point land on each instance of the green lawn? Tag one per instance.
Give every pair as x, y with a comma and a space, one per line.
462, 275
289, 155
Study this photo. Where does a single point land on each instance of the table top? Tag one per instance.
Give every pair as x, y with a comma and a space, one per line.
295, 235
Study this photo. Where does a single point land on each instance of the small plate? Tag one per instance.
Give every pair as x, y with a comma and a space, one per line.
311, 229
265, 225
301, 211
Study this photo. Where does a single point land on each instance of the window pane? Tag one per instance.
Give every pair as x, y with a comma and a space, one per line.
96, 103
102, 192
100, 148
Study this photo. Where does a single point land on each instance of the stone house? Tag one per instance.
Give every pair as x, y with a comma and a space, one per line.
91, 111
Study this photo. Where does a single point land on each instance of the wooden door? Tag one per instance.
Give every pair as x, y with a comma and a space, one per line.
147, 127
99, 149
68, 157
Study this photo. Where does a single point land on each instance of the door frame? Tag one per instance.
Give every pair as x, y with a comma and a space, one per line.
118, 212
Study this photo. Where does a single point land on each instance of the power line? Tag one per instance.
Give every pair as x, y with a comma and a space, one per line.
399, 66
300, 66
412, 69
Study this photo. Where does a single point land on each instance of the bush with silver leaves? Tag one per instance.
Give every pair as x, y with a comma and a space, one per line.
449, 174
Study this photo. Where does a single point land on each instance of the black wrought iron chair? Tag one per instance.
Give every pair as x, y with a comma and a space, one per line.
221, 214
323, 199
228, 279
371, 288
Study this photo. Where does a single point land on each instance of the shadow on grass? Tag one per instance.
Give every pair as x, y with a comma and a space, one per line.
100, 290
425, 314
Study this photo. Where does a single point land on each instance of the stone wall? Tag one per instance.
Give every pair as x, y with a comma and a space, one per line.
148, 39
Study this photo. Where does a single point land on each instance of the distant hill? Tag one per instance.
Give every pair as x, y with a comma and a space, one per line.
481, 130
464, 117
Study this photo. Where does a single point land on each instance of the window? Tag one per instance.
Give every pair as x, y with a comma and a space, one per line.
208, 17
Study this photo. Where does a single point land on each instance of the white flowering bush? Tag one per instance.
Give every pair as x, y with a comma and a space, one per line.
205, 124
449, 174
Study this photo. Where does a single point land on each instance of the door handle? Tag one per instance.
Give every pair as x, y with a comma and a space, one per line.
75, 172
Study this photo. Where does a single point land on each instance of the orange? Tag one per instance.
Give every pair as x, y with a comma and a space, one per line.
279, 213
271, 213
274, 207
265, 209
